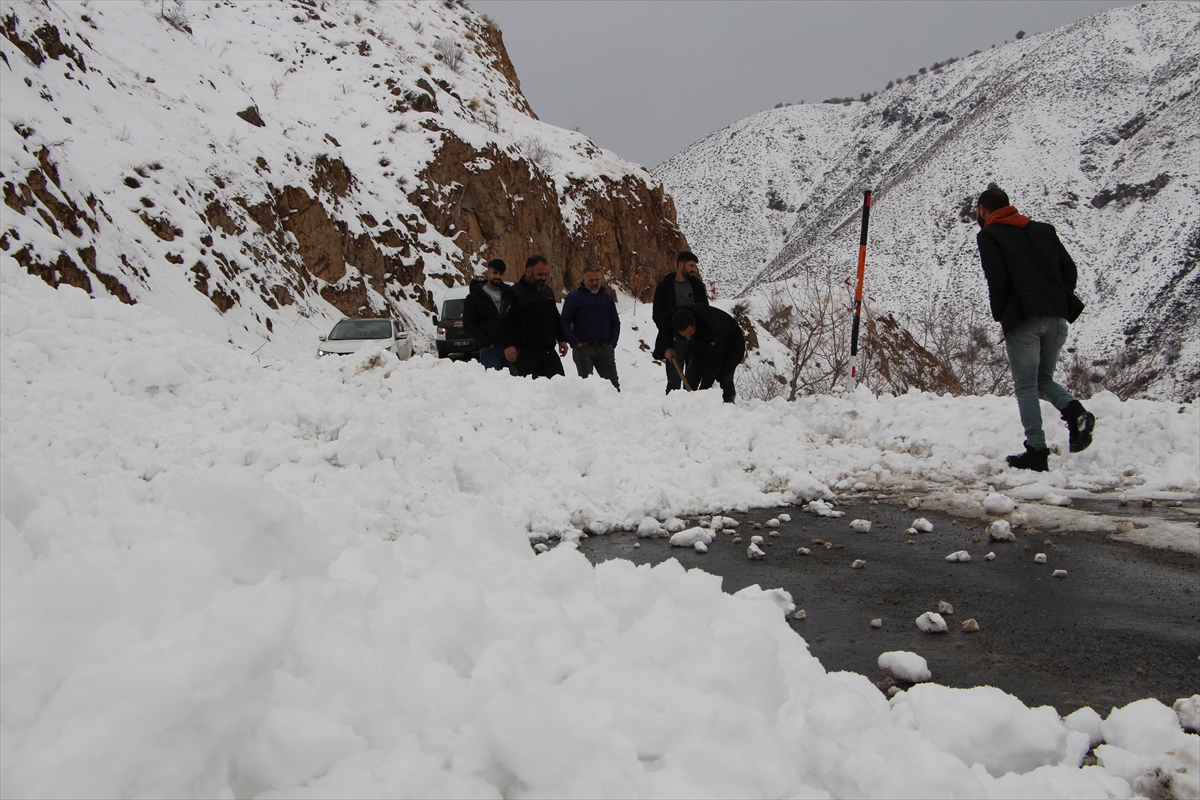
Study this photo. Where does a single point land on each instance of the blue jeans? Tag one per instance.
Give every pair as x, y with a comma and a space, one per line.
493, 358
682, 346
1033, 346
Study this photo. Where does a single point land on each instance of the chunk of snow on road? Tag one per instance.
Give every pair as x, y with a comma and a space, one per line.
754, 552
990, 557
970, 625
1188, 711
923, 525
689, 537
999, 504
674, 525
931, 622
1039, 558
861, 525
756, 539
1000, 531
1146, 727
944, 607
804, 551
649, 527
1056, 499
700, 547
772, 523
858, 564
901, 665
961, 556
877, 623
1059, 573
785, 517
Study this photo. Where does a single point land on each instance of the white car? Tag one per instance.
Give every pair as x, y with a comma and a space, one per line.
351, 334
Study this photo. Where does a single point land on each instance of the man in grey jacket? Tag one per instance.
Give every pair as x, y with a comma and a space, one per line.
1031, 285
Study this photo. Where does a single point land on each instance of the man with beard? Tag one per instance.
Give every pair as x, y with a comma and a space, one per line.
717, 346
589, 316
1031, 285
681, 286
481, 316
532, 326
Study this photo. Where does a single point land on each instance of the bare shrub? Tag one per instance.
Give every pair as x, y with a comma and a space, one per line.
967, 341
538, 153
1126, 374
451, 53
173, 14
808, 317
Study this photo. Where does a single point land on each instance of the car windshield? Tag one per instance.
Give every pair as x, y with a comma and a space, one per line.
361, 329
453, 309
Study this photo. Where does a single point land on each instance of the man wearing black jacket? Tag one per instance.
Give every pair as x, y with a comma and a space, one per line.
717, 346
1031, 285
681, 286
481, 316
532, 326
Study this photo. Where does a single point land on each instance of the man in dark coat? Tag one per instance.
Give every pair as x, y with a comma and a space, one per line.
717, 346
481, 316
1031, 284
681, 286
532, 326
589, 315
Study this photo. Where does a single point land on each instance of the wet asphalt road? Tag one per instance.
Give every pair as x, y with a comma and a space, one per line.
1123, 625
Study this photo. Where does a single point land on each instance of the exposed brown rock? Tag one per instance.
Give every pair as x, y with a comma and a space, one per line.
493, 40
331, 175
629, 228
251, 115
162, 227
62, 271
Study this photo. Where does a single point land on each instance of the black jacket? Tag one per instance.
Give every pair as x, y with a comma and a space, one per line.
1029, 272
717, 346
531, 318
481, 318
664, 307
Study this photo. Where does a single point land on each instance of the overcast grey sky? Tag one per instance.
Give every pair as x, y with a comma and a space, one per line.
647, 78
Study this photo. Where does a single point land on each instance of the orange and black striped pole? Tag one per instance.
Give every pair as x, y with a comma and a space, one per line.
858, 291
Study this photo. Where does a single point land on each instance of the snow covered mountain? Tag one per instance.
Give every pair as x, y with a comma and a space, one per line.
249, 167
1093, 127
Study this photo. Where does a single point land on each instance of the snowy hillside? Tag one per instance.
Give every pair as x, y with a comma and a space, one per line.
258, 169
1093, 127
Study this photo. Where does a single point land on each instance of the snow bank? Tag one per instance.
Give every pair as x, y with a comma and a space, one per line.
227, 577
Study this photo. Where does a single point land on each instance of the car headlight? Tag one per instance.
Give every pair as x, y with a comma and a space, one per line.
322, 353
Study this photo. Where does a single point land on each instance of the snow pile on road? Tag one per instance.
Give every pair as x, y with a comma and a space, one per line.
222, 576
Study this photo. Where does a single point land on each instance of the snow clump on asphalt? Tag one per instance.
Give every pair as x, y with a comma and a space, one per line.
861, 525
922, 525
901, 665
1000, 531
999, 505
931, 622
1188, 711
961, 556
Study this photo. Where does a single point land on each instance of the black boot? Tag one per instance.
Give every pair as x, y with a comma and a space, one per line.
1080, 424
1033, 458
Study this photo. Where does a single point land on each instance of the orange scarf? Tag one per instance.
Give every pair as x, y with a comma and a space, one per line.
1008, 216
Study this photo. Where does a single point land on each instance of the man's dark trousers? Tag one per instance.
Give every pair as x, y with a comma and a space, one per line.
601, 356
538, 363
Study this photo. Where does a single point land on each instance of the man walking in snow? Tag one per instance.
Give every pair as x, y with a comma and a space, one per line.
1031, 284
681, 286
589, 315
532, 326
717, 346
481, 316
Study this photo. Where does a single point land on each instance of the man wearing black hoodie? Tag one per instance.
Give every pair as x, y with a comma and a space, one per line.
717, 346
481, 316
681, 286
1031, 284
532, 326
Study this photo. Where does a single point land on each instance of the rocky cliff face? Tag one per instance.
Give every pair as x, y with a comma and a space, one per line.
249, 165
1092, 127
